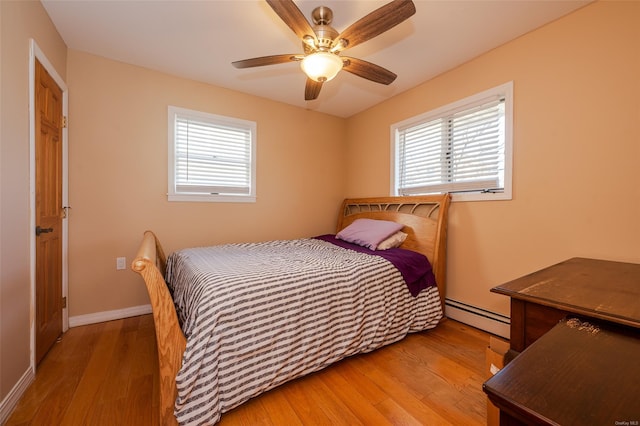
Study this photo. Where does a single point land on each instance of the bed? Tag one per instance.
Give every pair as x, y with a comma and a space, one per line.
235, 320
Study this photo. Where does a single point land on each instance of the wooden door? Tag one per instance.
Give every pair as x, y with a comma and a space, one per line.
49, 213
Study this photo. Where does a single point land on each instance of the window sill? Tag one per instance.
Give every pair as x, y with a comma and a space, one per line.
204, 198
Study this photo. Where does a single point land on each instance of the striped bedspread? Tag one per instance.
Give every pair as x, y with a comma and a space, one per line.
257, 315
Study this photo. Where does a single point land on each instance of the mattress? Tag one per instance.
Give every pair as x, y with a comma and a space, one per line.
256, 315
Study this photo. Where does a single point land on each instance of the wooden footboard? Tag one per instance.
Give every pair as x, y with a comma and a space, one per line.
150, 262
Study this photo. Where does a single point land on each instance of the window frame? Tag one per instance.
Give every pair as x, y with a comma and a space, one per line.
214, 119
503, 91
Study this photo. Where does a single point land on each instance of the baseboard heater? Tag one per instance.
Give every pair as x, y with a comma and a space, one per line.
474, 316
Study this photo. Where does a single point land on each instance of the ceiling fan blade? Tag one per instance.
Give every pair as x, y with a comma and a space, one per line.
312, 89
368, 70
293, 17
266, 60
377, 22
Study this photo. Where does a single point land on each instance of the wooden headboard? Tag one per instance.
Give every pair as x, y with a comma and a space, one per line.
425, 221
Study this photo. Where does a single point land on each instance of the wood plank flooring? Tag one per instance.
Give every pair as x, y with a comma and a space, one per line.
106, 374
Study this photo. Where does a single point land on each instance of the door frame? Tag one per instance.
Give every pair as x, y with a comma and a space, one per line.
36, 53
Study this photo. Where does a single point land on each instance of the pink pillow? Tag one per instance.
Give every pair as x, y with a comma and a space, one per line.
369, 232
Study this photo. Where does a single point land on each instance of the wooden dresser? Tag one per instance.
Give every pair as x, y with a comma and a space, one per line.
598, 289
576, 329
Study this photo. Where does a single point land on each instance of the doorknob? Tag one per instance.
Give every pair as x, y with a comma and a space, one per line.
40, 230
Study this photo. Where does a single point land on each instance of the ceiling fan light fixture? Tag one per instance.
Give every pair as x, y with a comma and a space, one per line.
321, 66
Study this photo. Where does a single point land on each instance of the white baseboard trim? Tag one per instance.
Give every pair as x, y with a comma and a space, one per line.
11, 400
104, 316
477, 317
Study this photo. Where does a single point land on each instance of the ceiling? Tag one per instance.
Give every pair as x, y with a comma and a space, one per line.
199, 39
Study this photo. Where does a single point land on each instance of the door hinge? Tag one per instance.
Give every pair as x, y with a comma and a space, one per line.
64, 121
65, 211
64, 303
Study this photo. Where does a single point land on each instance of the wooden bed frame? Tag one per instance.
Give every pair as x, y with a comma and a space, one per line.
425, 220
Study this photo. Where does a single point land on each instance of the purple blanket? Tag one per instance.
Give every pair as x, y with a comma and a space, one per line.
414, 267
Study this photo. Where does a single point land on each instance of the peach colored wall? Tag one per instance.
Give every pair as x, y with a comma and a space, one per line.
576, 151
118, 175
19, 22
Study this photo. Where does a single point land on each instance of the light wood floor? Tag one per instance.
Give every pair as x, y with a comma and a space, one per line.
105, 374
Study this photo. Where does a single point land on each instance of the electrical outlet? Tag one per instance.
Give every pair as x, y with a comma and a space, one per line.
121, 263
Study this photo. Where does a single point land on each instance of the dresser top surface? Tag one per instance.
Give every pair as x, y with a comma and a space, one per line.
598, 288
578, 373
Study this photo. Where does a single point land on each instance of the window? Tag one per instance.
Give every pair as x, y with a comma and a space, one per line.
463, 148
211, 158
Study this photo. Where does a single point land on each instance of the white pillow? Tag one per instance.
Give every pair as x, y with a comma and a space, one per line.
393, 241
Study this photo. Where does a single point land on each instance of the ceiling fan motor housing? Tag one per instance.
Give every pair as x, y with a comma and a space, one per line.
325, 33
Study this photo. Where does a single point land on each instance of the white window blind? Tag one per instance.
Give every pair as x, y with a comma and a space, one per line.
212, 156
460, 149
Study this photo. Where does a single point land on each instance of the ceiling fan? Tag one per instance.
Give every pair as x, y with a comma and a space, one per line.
322, 44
